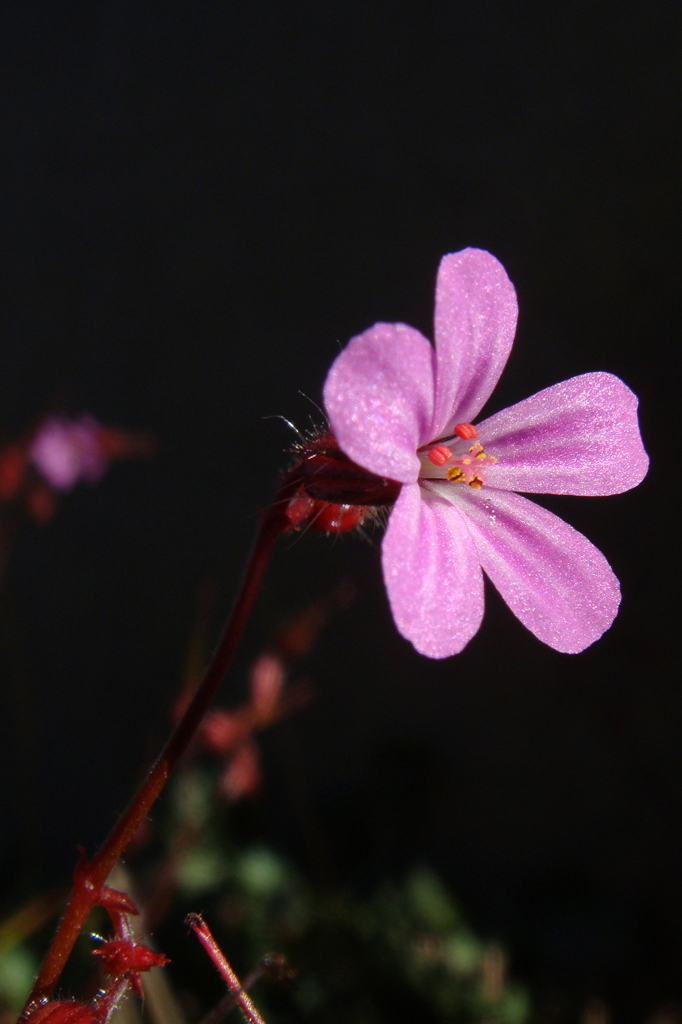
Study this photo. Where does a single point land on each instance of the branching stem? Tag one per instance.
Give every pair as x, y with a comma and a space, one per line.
90, 879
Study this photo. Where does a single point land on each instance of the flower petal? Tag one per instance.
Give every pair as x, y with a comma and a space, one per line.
432, 574
553, 579
379, 399
578, 437
475, 321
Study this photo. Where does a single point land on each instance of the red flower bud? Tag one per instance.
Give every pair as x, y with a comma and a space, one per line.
120, 956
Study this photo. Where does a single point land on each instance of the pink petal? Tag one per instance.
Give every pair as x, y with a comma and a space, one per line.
555, 581
432, 574
379, 399
476, 314
578, 437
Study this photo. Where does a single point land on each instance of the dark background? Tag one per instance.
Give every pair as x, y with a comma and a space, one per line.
198, 202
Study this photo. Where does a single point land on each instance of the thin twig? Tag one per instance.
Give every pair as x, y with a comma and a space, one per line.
242, 999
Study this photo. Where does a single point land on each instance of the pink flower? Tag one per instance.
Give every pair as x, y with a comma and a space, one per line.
403, 411
66, 451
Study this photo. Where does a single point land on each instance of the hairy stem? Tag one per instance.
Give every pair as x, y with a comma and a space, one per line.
90, 879
242, 999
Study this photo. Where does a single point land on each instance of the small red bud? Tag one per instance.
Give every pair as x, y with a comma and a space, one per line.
243, 776
222, 730
467, 431
266, 682
13, 462
120, 956
322, 515
42, 503
300, 509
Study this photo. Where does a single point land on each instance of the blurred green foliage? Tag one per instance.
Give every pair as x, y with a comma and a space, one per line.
405, 952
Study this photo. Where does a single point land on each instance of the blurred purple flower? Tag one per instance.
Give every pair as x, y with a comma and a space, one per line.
66, 451
403, 411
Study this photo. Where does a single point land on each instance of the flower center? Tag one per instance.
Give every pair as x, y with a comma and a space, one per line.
453, 458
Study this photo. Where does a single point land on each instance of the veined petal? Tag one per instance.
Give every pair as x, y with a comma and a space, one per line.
578, 437
379, 399
553, 579
432, 573
475, 322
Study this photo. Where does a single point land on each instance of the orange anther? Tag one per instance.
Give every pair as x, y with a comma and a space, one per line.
466, 431
440, 454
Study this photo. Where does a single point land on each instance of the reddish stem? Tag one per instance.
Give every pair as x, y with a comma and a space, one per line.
90, 879
243, 1001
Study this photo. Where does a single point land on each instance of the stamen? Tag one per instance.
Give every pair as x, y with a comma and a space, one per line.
465, 468
439, 455
466, 431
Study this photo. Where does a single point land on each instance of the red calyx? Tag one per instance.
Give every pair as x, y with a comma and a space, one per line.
328, 474
333, 518
334, 494
326, 516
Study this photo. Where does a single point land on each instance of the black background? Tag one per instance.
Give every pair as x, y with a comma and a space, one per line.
199, 201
